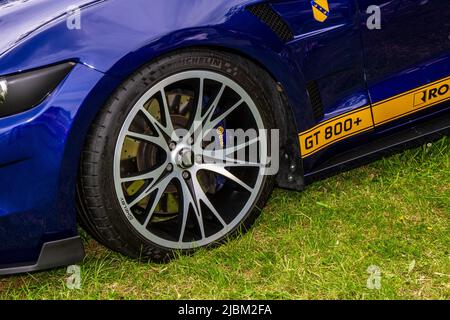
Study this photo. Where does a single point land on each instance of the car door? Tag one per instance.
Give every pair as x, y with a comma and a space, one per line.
328, 51
407, 60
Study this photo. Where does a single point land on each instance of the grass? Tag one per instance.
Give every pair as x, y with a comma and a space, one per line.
317, 244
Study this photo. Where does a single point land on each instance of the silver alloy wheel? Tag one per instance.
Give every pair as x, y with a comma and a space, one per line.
181, 165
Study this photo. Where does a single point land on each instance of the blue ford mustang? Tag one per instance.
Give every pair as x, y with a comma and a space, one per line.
94, 95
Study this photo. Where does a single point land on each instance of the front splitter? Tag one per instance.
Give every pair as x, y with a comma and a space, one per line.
53, 254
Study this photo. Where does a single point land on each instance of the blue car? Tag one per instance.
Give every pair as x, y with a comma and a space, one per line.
126, 116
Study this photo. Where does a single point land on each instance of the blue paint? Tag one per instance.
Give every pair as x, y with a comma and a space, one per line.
40, 148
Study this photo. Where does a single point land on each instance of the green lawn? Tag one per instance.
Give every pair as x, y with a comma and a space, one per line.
317, 244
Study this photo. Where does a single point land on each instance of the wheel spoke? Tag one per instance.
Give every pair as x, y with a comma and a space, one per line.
158, 141
199, 216
160, 187
168, 128
159, 127
187, 202
166, 110
212, 108
150, 189
198, 111
201, 196
153, 175
222, 154
213, 123
186, 206
220, 169
189, 199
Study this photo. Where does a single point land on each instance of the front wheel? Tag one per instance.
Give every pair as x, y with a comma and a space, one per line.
160, 172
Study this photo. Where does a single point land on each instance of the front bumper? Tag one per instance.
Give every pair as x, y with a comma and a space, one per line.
39, 156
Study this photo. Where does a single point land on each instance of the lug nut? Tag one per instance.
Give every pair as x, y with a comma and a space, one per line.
169, 167
186, 175
190, 140
172, 145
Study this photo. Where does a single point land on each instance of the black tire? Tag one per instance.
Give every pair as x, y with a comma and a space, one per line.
99, 208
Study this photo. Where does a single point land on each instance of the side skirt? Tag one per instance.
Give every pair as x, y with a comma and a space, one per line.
364, 154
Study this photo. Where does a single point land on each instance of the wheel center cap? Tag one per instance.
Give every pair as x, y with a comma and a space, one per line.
185, 158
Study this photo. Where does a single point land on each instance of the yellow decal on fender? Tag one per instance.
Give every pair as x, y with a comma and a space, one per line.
335, 130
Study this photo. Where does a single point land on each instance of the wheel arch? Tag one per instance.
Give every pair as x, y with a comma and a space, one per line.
291, 175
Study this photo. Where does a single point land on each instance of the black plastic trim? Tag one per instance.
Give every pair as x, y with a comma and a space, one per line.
316, 99
291, 174
273, 20
28, 89
53, 254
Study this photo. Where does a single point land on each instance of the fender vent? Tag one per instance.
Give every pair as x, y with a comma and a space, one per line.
272, 19
316, 99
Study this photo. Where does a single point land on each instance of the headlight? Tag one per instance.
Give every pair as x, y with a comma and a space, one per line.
3, 90
23, 91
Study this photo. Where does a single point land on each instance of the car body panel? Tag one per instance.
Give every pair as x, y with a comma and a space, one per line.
38, 171
394, 63
42, 146
32, 15
340, 76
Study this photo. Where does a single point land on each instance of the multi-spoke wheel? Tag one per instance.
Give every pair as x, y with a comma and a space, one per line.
178, 158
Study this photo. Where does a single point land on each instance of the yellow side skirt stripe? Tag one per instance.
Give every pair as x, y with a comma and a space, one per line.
367, 118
